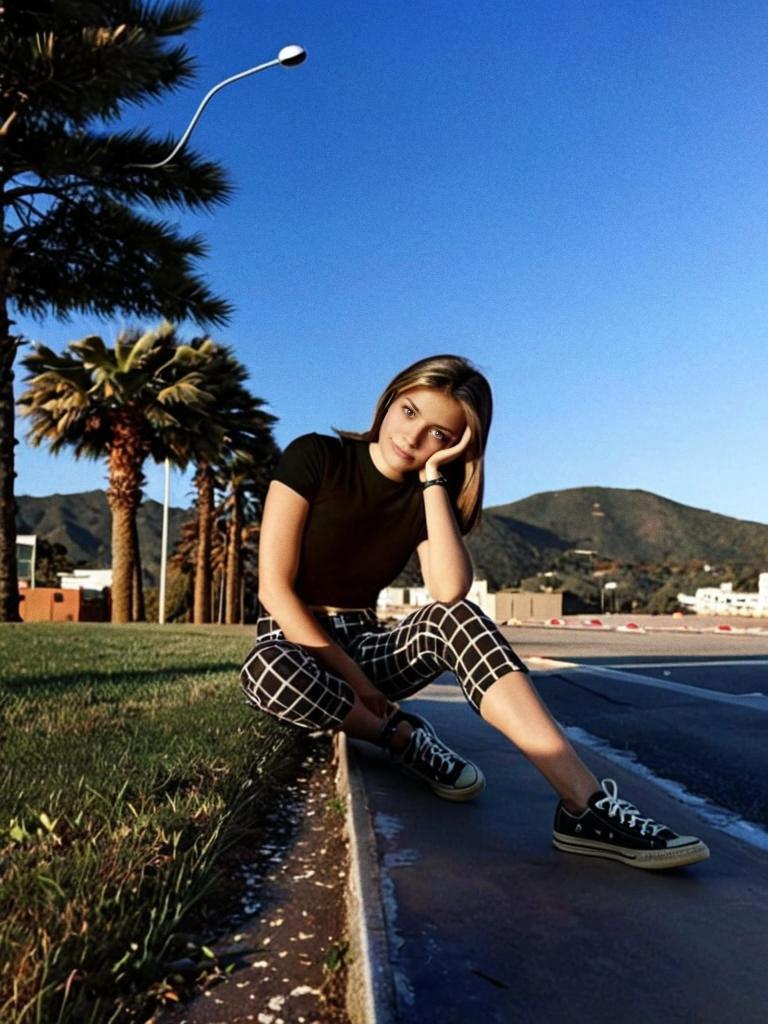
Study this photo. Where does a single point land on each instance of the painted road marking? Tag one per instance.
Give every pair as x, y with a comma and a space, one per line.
740, 700
749, 662
758, 702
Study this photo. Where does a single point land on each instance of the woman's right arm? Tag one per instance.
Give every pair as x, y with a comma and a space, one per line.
282, 528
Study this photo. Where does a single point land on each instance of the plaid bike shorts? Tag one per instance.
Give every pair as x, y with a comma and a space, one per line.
284, 680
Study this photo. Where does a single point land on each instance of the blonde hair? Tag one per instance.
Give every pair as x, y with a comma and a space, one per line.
458, 378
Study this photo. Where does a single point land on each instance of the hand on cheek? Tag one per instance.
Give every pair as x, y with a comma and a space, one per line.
446, 455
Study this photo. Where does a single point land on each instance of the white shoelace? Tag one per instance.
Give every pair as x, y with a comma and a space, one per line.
624, 809
429, 749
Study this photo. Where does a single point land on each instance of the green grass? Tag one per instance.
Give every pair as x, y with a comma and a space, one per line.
131, 766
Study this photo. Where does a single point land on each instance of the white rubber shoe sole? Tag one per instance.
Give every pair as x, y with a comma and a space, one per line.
681, 851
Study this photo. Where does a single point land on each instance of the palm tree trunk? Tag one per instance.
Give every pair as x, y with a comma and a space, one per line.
122, 563
9, 579
234, 560
202, 605
124, 496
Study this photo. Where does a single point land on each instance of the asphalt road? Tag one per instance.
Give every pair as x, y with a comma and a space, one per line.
487, 922
665, 699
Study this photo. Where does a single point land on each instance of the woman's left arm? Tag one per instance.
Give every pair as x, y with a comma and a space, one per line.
445, 562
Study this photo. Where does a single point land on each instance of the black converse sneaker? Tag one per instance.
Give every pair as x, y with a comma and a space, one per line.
429, 759
614, 828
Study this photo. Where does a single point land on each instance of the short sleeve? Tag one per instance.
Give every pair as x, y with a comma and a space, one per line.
302, 465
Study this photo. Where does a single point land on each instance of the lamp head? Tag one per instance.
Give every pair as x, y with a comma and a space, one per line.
290, 56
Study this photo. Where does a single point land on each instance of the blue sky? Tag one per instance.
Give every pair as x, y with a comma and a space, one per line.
572, 194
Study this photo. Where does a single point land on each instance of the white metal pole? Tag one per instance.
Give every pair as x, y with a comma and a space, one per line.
164, 543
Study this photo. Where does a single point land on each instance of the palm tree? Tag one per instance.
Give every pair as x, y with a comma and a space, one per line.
222, 568
145, 397
237, 427
185, 556
76, 228
247, 477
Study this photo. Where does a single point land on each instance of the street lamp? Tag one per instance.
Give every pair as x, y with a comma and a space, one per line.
288, 57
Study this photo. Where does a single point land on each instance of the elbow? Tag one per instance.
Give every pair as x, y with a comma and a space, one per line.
272, 597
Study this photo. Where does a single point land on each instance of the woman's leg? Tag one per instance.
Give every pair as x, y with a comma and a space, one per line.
397, 670
590, 819
513, 706
283, 680
462, 639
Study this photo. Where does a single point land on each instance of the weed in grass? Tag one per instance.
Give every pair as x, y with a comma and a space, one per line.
338, 806
336, 957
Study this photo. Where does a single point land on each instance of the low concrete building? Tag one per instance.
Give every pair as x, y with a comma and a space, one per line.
527, 604
501, 606
84, 594
53, 604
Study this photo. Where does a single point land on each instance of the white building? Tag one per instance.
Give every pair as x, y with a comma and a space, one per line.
88, 579
402, 599
723, 600
26, 552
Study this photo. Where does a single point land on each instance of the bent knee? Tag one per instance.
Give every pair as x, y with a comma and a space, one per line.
463, 609
269, 668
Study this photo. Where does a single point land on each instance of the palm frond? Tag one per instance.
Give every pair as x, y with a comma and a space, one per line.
185, 392
129, 263
161, 338
93, 352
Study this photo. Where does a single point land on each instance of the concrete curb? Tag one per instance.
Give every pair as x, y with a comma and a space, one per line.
370, 986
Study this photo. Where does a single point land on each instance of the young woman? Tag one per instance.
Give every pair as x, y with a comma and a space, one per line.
341, 519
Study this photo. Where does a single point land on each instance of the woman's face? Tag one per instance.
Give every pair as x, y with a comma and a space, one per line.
417, 424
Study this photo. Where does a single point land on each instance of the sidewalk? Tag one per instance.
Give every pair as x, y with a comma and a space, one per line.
484, 921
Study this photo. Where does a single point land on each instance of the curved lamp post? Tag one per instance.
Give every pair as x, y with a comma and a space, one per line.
288, 57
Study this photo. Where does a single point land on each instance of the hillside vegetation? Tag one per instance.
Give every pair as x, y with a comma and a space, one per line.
619, 526
653, 547
82, 523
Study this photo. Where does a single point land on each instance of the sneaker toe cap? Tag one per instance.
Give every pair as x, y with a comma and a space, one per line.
679, 841
470, 776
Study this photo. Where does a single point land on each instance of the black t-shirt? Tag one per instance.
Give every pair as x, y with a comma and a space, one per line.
361, 528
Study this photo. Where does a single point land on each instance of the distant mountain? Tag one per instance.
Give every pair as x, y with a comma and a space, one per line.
521, 538
514, 541
83, 524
